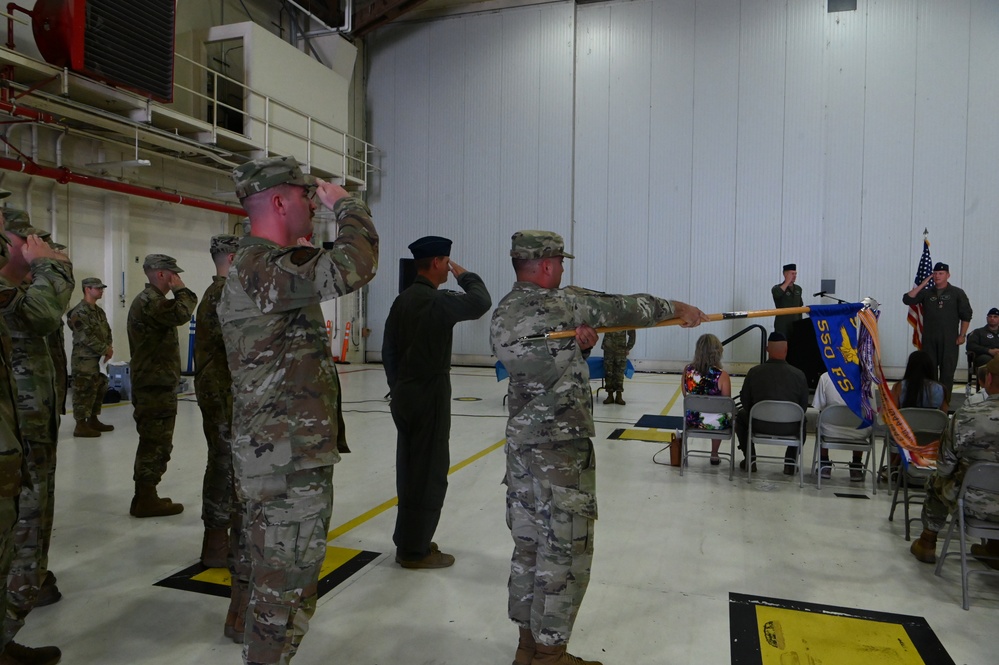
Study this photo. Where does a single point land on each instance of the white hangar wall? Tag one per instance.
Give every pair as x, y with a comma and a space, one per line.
689, 148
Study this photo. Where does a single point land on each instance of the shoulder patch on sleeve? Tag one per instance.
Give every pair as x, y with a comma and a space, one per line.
302, 255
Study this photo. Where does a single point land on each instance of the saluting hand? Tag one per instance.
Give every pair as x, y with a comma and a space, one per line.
455, 269
329, 193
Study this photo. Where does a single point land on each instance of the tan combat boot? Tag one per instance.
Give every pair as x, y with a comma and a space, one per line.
525, 648
924, 548
147, 503
620, 400
215, 548
96, 424
545, 655
18, 654
235, 618
610, 397
83, 429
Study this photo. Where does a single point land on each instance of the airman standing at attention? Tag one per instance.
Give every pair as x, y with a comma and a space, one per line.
30, 313
213, 386
91, 344
155, 366
285, 388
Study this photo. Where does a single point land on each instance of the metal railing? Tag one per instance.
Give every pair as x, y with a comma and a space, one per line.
355, 154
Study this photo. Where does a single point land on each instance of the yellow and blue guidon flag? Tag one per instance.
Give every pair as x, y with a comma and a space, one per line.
836, 333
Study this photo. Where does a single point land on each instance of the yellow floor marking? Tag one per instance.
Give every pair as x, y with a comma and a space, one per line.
669, 405
381, 508
660, 435
791, 637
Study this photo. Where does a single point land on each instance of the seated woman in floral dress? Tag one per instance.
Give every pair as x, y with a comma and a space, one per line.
704, 376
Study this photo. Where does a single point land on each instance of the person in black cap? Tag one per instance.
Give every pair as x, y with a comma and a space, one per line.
774, 379
984, 341
416, 352
946, 312
787, 294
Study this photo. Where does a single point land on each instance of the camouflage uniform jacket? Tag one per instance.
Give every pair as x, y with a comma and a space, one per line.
619, 342
284, 380
152, 335
971, 436
91, 336
32, 312
211, 371
549, 393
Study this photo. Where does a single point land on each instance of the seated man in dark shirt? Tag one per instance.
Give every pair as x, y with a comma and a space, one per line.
774, 379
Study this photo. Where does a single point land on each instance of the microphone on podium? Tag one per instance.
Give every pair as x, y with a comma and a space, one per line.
820, 293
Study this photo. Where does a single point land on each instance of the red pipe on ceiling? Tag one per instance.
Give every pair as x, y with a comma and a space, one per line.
64, 176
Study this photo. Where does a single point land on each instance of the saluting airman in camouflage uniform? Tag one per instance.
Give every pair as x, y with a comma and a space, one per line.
551, 469
616, 346
285, 389
32, 312
91, 344
213, 386
972, 435
155, 367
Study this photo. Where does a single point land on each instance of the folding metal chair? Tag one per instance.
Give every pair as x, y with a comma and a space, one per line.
926, 424
912, 481
708, 404
839, 415
776, 412
981, 478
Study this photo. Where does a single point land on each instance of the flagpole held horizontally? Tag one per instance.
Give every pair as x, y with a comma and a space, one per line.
721, 316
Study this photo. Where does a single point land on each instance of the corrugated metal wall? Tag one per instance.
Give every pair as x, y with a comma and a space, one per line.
697, 145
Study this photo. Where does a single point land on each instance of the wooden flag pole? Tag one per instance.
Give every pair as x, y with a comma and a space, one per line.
721, 316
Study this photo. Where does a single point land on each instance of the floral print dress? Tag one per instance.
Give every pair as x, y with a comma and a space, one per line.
697, 384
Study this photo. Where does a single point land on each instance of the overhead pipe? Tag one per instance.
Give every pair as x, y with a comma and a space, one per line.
65, 176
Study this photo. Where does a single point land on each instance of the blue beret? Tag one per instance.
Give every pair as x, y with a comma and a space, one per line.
430, 246
941, 266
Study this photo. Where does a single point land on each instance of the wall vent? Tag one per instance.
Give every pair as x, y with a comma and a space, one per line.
126, 43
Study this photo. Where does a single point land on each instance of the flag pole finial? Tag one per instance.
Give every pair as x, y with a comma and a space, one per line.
926, 232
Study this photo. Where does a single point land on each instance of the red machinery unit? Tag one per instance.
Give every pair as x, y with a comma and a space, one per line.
126, 43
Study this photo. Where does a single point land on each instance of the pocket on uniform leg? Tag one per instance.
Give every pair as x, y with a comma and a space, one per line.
572, 519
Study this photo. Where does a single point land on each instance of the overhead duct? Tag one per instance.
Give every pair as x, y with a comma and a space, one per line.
125, 43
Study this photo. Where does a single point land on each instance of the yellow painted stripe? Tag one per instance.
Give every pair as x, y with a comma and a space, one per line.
669, 405
381, 508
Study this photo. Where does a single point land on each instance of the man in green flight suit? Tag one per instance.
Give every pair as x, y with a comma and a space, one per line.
416, 351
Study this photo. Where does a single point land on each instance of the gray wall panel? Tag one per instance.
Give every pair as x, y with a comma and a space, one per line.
689, 147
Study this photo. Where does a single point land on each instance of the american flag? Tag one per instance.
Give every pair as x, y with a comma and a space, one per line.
923, 270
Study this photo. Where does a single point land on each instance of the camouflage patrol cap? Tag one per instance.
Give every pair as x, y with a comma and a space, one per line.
224, 243
4, 194
260, 174
538, 245
19, 223
161, 262
93, 283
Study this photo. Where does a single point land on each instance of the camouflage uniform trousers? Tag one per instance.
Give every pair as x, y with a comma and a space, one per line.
31, 536
218, 488
941, 500
155, 414
551, 509
89, 390
286, 521
614, 366
8, 519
